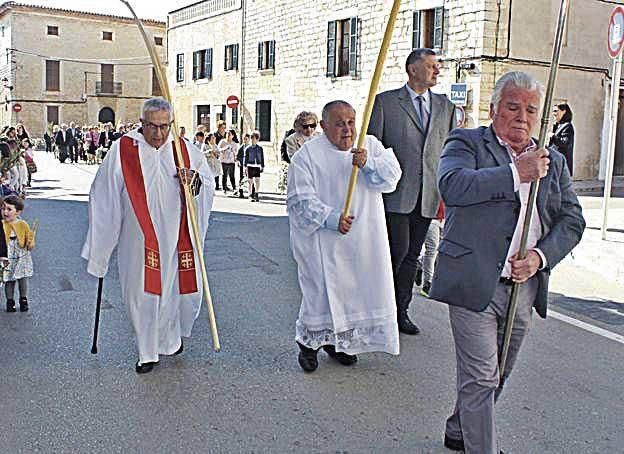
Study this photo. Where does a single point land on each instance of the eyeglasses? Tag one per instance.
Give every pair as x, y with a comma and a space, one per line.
152, 126
311, 126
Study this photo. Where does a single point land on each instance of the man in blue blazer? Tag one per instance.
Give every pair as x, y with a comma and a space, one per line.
484, 177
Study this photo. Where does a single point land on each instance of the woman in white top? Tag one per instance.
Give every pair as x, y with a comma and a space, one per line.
211, 151
227, 150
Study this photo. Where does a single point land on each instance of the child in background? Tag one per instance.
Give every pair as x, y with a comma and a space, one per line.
20, 241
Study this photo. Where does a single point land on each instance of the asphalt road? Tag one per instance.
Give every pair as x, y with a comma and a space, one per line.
565, 395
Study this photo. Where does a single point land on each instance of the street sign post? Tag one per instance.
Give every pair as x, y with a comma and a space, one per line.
615, 42
232, 102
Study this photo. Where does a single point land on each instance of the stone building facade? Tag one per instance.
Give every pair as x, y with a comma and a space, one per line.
61, 66
296, 55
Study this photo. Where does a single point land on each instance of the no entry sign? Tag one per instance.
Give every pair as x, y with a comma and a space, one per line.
17, 107
232, 102
615, 35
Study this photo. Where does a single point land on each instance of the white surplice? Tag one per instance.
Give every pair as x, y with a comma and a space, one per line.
159, 321
346, 280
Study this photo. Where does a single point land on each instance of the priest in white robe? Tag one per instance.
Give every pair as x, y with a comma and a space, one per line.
136, 205
344, 267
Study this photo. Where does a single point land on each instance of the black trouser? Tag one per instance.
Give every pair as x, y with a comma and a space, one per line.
406, 233
228, 170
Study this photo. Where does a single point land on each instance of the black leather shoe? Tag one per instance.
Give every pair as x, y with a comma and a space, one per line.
453, 444
405, 324
23, 302
342, 358
181, 349
144, 368
456, 445
307, 358
10, 305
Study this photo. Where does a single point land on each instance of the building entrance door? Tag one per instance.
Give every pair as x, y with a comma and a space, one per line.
107, 115
203, 116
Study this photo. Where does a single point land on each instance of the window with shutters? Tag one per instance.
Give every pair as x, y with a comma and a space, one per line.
53, 30
156, 90
263, 120
428, 28
202, 64
266, 55
231, 58
342, 47
180, 68
53, 75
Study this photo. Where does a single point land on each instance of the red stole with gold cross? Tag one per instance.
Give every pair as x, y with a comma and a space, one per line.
135, 185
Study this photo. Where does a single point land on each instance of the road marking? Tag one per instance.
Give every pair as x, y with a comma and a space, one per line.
587, 327
612, 311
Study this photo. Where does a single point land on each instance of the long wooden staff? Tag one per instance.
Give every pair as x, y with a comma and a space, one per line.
554, 67
190, 202
372, 91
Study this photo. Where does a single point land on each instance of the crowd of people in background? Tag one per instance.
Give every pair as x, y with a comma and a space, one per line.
16, 160
224, 152
88, 144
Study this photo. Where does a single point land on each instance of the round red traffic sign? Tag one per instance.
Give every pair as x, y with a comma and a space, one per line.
615, 34
232, 102
17, 107
460, 116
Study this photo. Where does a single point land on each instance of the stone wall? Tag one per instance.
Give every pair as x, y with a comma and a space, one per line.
80, 40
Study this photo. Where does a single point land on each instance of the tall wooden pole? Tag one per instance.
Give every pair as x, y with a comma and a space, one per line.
190, 201
550, 88
372, 91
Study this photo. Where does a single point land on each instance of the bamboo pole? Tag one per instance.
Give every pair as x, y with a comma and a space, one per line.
190, 202
552, 79
372, 92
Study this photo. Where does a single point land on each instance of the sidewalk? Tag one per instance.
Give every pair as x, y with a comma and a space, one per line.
595, 269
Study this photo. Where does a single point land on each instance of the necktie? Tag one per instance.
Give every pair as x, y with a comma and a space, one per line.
422, 112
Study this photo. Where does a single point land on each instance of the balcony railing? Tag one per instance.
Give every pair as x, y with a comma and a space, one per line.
202, 10
108, 88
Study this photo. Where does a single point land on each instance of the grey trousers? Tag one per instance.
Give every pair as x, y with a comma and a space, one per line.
478, 339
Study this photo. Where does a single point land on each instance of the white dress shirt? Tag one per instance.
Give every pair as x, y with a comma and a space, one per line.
535, 228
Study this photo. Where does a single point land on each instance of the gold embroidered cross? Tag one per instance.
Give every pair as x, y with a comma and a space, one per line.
152, 259
187, 260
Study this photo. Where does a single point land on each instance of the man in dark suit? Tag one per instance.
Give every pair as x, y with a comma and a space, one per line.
484, 178
64, 140
106, 139
414, 122
74, 146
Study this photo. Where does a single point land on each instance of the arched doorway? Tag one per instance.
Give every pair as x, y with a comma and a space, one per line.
106, 115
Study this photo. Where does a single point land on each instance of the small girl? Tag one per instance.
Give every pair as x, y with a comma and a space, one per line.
20, 240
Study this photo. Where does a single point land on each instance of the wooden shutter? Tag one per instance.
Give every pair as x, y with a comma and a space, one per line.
416, 32
53, 75
235, 57
195, 65
438, 27
353, 47
208, 64
260, 55
225, 59
271, 54
180, 72
331, 49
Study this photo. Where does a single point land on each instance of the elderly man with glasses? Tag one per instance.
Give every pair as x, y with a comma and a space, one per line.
136, 204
